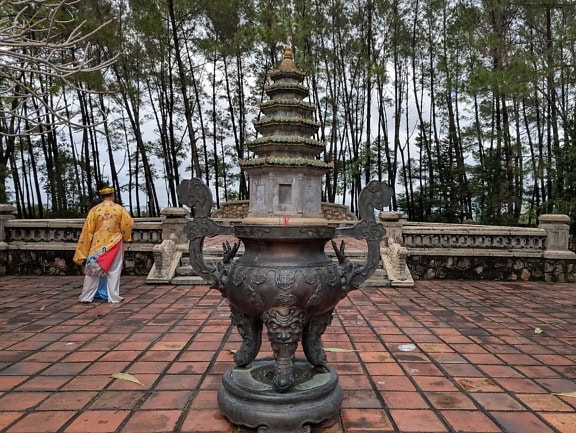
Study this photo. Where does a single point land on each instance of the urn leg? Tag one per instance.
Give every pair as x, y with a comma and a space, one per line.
250, 329
311, 339
285, 327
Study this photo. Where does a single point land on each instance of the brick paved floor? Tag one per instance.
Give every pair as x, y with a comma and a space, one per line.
446, 356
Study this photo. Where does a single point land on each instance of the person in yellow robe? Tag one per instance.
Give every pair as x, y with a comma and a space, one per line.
101, 248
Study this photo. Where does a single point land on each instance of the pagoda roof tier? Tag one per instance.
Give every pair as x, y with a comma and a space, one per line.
295, 74
291, 141
290, 103
292, 162
284, 124
284, 87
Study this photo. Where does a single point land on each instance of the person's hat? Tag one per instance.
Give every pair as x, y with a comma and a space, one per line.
106, 191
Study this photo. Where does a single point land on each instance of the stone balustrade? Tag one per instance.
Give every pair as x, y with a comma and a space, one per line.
455, 251
459, 251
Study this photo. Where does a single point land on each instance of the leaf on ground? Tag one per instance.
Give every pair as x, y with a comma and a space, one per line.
338, 350
538, 331
128, 377
565, 394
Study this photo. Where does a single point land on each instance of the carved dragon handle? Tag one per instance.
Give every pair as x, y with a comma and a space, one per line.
195, 194
375, 195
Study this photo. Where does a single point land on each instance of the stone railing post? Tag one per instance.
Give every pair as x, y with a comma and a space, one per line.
6, 213
173, 224
393, 223
557, 236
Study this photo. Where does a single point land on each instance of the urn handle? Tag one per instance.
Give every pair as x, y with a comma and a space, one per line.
195, 194
375, 195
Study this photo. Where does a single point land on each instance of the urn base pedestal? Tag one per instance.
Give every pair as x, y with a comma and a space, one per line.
247, 397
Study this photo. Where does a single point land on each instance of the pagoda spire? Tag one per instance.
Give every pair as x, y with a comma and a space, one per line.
287, 62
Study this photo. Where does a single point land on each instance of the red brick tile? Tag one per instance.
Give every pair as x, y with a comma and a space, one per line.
449, 400
474, 384
118, 400
384, 369
564, 422
482, 358
354, 381
147, 367
404, 400
101, 421
417, 421
497, 401
152, 421
120, 355
556, 385
393, 383
25, 368
470, 421
206, 421
158, 356
9, 382
102, 367
375, 356
84, 356
205, 399
434, 383
362, 399
185, 368
43, 356
544, 402
18, 401
521, 422
87, 383
518, 359
175, 381
69, 400
65, 369
167, 400
42, 422
421, 369
519, 385
537, 371
355, 420
45, 383
7, 418
343, 368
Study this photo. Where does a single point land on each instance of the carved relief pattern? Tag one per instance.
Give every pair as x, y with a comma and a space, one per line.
498, 241
285, 278
311, 276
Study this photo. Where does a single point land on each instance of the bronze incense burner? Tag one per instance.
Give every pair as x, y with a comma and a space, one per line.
283, 281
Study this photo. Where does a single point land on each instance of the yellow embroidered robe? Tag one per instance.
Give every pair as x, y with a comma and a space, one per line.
106, 224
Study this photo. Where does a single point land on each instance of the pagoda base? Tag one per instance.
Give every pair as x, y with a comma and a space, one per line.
247, 397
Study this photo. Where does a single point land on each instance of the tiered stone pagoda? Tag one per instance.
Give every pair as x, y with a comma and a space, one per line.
286, 174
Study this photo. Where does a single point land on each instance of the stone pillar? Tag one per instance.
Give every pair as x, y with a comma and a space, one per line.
559, 261
557, 235
6, 213
392, 223
173, 224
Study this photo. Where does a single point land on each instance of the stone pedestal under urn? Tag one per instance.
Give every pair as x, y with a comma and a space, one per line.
283, 282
